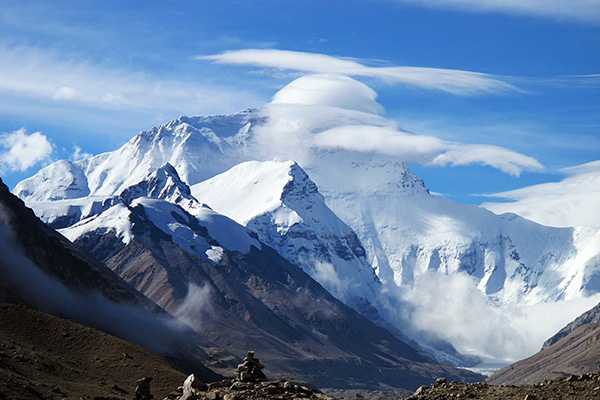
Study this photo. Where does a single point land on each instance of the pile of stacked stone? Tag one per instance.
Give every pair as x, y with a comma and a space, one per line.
250, 384
250, 370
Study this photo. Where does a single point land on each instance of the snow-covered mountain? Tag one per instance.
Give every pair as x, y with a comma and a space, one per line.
407, 234
168, 202
215, 274
198, 148
279, 202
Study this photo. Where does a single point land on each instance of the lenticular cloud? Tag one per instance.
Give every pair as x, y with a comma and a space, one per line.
330, 90
326, 112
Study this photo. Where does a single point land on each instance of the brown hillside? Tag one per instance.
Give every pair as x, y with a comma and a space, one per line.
46, 357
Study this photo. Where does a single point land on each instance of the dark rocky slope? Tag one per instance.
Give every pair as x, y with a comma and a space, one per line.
41, 269
582, 387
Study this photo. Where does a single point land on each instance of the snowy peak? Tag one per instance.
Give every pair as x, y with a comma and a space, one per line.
299, 186
279, 202
253, 188
198, 147
339, 172
60, 180
164, 183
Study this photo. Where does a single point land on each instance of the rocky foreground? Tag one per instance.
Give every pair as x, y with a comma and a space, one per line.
575, 387
193, 389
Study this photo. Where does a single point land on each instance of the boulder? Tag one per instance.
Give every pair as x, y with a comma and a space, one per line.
142, 389
193, 385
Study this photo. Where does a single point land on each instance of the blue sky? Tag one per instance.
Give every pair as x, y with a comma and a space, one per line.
89, 75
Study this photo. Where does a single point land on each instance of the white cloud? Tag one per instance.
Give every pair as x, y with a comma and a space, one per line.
583, 10
574, 201
326, 275
437, 304
57, 78
457, 82
195, 307
21, 151
424, 149
330, 112
406, 146
505, 160
79, 154
65, 93
329, 90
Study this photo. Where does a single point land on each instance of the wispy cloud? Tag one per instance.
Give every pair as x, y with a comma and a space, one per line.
505, 160
67, 81
571, 202
458, 82
80, 154
20, 151
582, 10
424, 149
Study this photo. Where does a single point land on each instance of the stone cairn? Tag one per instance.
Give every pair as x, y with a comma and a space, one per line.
250, 384
250, 370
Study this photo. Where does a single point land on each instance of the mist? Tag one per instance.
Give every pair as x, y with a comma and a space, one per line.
196, 306
159, 333
451, 307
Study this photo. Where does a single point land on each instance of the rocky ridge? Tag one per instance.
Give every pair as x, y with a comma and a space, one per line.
589, 317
